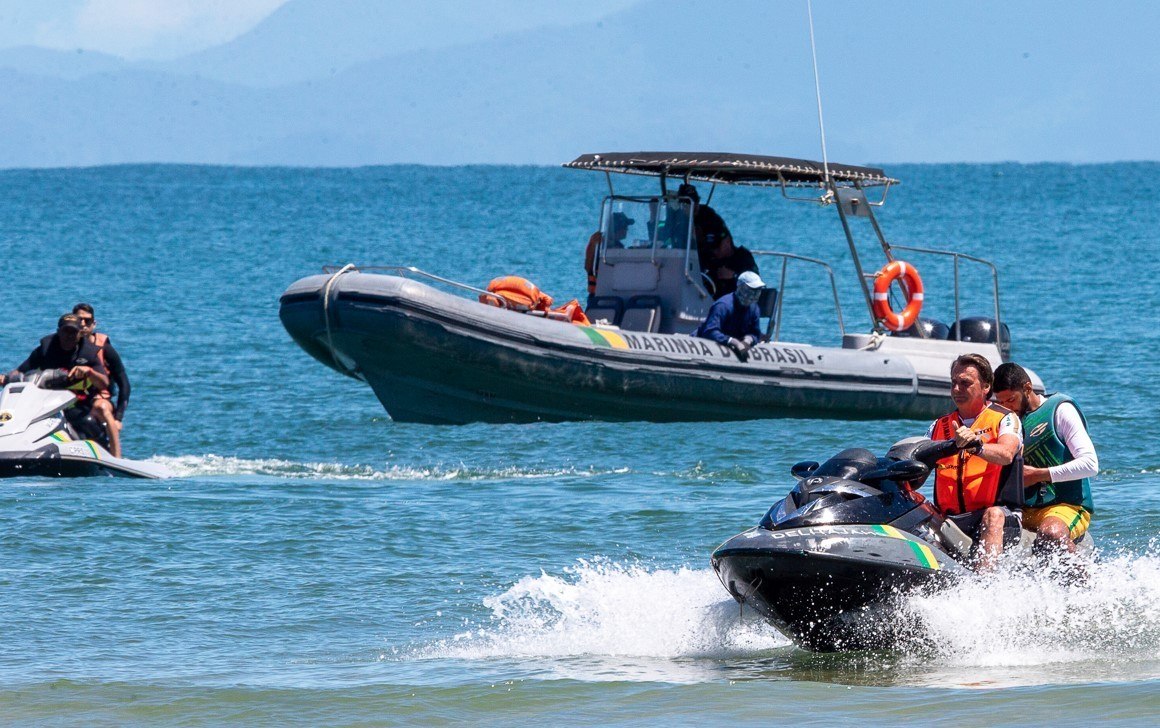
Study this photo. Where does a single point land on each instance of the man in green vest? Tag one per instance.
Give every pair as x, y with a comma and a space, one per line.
1059, 459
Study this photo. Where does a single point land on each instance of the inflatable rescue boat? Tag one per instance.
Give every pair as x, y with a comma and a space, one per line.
435, 350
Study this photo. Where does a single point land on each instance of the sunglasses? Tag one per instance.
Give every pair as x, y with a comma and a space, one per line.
87, 321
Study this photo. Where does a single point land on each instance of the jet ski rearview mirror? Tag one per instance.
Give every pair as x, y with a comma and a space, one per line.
803, 469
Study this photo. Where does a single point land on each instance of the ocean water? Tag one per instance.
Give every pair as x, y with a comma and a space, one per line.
317, 563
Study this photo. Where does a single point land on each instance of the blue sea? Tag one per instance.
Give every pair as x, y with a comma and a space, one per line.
316, 563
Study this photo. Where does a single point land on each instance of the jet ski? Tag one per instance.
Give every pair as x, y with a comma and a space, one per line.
828, 563
42, 434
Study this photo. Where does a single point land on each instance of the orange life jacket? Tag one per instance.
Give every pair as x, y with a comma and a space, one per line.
571, 311
965, 482
519, 293
99, 341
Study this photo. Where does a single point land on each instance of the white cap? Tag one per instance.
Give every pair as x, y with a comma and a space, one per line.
749, 279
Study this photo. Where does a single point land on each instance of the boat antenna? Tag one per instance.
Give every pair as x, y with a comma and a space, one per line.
818, 93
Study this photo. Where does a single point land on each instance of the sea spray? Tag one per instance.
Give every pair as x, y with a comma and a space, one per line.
599, 608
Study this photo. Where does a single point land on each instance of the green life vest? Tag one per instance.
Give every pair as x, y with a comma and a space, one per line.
1042, 448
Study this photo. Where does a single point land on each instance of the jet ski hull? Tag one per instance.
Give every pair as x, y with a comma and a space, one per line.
825, 587
50, 462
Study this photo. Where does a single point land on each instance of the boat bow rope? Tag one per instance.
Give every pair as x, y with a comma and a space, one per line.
326, 313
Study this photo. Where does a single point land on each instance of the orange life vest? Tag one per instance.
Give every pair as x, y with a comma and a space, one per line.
965, 482
520, 294
99, 341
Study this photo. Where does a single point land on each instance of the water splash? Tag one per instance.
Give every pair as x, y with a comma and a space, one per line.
604, 620
601, 620
1021, 618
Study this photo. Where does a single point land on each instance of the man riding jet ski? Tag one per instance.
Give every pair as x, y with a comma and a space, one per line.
47, 425
43, 433
827, 561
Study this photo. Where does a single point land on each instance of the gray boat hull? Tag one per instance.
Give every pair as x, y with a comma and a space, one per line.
435, 357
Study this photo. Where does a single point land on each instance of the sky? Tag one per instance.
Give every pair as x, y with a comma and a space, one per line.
132, 29
349, 82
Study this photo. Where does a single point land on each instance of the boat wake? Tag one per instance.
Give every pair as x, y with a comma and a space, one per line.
191, 466
601, 620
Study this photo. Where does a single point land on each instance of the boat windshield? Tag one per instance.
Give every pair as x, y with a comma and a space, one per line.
645, 222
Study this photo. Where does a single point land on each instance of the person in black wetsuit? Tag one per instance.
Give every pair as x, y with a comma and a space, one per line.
114, 415
68, 350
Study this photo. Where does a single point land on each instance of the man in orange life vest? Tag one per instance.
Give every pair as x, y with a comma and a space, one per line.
980, 488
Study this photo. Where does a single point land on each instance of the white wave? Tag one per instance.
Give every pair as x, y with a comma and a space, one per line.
622, 621
1015, 627
601, 620
217, 465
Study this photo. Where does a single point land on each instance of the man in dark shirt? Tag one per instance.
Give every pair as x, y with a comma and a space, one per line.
114, 416
708, 226
727, 262
68, 350
734, 319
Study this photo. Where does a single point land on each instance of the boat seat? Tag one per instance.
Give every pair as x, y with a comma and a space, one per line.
643, 313
767, 302
607, 309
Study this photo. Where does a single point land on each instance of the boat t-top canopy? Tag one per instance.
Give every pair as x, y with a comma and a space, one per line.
735, 169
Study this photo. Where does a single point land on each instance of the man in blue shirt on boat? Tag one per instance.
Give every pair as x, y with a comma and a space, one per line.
735, 319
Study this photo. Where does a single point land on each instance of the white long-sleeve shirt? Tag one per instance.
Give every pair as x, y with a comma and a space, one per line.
1069, 427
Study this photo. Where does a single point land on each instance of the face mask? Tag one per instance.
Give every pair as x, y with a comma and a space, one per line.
746, 296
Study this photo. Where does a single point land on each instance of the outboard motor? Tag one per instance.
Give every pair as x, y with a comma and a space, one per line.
927, 328
981, 330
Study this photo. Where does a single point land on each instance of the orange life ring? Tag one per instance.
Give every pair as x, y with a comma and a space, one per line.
912, 284
520, 293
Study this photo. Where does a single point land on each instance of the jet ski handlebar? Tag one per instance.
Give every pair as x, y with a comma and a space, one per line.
43, 378
932, 451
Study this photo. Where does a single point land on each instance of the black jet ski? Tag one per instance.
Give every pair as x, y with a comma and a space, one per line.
42, 434
849, 540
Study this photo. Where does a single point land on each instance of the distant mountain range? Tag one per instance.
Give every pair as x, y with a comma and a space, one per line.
444, 82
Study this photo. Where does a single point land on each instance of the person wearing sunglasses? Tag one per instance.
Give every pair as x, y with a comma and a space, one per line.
67, 350
103, 408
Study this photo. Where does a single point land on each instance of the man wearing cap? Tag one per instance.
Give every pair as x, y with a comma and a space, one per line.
734, 319
69, 350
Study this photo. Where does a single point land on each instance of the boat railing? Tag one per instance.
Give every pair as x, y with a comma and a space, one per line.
956, 257
409, 271
773, 329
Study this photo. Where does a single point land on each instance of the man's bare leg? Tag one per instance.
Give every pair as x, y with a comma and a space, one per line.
1053, 532
103, 411
991, 536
